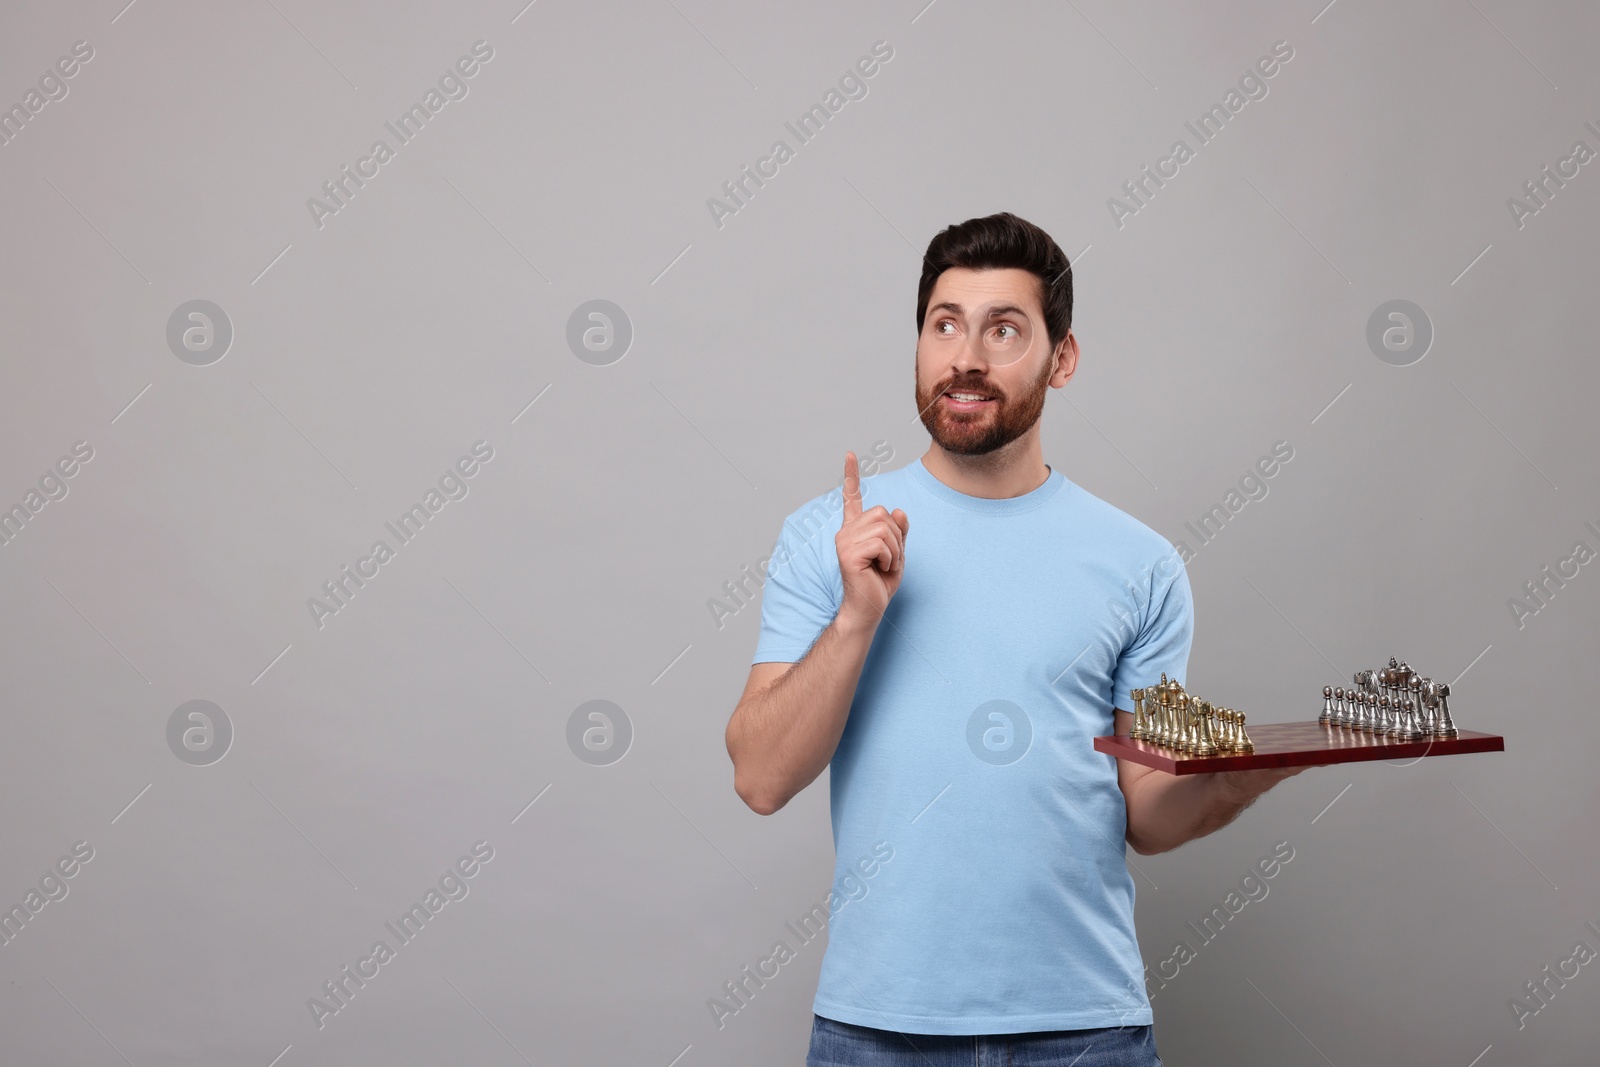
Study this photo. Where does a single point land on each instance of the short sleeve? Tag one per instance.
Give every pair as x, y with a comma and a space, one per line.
798, 601
1162, 643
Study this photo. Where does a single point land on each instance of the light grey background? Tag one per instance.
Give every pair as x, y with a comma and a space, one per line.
368, 754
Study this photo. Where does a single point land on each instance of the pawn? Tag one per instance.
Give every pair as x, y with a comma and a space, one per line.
1414, 693
1241, 739
1229, 740
1326, 718
1409, 730
1341, 712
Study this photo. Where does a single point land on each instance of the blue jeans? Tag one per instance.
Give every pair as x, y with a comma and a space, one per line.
837, 1044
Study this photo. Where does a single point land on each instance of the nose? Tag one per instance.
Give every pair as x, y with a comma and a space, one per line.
970, 357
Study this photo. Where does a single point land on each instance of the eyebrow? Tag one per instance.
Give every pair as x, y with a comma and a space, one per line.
1003, 309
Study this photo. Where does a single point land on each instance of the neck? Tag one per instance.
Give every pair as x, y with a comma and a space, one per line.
1010, 471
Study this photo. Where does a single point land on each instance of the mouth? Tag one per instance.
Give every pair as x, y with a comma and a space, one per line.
966, 400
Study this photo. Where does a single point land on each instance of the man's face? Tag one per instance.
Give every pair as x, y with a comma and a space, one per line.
983, 334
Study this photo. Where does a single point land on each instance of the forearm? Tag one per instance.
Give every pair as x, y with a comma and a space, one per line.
781, 738
1166, 810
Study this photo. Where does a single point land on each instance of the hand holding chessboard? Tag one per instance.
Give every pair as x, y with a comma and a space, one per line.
1392, 713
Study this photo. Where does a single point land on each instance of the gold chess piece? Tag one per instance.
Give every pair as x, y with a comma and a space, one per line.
1245, 744
1205, 744
1164, 734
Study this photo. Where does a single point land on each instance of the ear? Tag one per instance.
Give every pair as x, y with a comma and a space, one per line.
1066, 360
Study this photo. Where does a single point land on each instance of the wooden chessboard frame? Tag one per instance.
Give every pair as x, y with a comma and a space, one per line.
1297, 744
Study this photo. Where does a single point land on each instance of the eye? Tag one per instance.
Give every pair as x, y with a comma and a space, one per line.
938, 327
1007, 326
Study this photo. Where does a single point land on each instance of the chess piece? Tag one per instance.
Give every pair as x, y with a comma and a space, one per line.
1366, 685
1187, 713
1242, 738
1443, 726
1326, 718
1180, 714
1204, 743
1341, 713
1427, 707
1163, 735
1397, 718
1398, 682
1409, 729
1136, 731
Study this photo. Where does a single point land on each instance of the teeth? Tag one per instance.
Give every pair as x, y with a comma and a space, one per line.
967, 396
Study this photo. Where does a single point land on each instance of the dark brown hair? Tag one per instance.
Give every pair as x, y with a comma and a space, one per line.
997, 241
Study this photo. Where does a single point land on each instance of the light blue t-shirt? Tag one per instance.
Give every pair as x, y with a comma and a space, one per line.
1004, 904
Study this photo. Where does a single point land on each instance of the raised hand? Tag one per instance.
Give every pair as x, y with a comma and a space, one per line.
871, 546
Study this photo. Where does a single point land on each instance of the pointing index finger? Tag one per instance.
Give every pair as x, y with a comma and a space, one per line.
852, 487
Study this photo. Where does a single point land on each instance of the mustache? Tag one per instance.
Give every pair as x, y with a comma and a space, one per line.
976, 386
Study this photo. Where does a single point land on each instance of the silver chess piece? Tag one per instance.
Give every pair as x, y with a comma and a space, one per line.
1426, 719
1408, 728
1397, 718
1391, 679
1326, 718
1443, 725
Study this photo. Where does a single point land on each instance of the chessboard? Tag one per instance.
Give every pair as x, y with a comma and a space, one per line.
1298, 744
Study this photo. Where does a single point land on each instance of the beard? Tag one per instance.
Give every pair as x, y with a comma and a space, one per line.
976, 433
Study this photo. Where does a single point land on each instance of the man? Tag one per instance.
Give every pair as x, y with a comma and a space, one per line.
953, 680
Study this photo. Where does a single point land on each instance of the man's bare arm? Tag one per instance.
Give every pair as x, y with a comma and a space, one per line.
789, 720
791, 716
1166, 810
